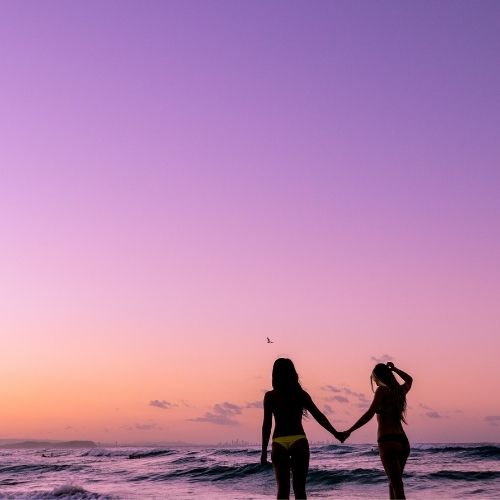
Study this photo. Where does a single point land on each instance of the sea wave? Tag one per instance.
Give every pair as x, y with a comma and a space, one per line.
235, 451
322, 477
339, 451
333, 449
106, 452
318, 477
70, 491
38, 468
157, 452
480, 452
189, 460
455, 475
432, 467
206, 473
128, 453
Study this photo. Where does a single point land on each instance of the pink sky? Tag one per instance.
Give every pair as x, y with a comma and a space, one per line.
179, 180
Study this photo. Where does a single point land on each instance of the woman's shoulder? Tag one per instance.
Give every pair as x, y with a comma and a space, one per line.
268, 400
381, 394
269, 395
305, 398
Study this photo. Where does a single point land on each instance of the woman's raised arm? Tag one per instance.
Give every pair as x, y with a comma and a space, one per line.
407, 378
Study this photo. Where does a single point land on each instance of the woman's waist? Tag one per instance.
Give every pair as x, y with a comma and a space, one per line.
390, 428
288, 431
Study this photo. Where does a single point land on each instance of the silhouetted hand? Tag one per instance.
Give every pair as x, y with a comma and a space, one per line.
390, 365
339, 436
263, 460
342, 436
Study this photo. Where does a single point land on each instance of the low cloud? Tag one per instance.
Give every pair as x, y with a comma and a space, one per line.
425, 407
222, 414
162, 404
338, 399
145, 427
493, 420
382, 359
331, 388
228, 408
214, 418
362, 399
433, 414
254, 404
328, 410
358, 395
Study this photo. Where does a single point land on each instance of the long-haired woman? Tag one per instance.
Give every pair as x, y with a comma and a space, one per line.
288, 403
389, 404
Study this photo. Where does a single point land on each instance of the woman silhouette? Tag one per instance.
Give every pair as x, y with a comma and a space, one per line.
389, 403
288, 402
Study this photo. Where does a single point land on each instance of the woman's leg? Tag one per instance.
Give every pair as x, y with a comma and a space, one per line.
404, 456
281, 464
391, 454
299, 455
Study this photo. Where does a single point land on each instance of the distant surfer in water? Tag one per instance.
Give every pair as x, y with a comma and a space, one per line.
288, 403
389, 404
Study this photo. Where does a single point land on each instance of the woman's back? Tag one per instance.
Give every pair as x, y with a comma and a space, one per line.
287, 410
389, 411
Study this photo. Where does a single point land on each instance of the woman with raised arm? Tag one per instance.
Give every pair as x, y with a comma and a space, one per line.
288, 403
389, 404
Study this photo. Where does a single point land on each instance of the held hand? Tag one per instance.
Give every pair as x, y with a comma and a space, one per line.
390, 365
342, 436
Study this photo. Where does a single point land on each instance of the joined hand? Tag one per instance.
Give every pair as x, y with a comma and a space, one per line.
342, 436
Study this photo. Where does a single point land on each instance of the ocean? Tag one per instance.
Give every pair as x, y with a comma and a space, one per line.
336, 471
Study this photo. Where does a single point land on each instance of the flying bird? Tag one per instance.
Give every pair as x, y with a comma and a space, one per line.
269, 341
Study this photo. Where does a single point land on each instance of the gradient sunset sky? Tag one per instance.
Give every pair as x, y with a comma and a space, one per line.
181, 180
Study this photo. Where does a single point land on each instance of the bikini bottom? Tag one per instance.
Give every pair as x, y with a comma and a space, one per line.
288, 441
398, 438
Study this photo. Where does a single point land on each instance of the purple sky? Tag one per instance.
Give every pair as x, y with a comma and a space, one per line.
222, 171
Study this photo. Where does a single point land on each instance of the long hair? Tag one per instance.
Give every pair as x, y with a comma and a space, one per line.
286, 381
385, 375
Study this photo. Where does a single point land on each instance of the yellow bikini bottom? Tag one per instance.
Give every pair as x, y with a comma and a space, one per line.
287, 441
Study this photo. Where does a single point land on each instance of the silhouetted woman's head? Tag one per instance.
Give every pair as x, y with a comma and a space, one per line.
382, 376
286, 382
285, 377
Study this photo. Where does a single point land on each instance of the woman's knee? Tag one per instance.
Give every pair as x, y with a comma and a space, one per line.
299, 489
